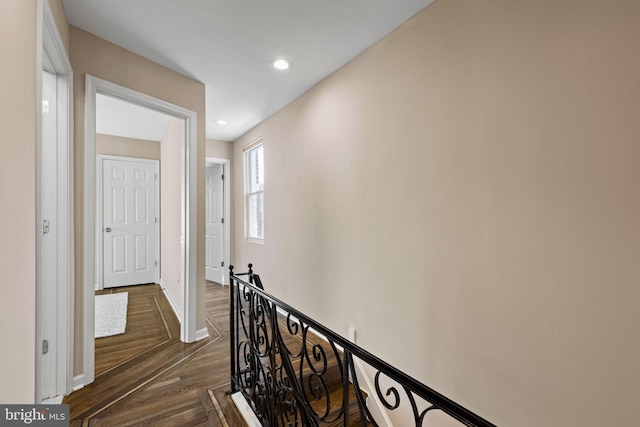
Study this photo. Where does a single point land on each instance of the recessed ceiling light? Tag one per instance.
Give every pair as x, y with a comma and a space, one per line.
281, 64
221, 122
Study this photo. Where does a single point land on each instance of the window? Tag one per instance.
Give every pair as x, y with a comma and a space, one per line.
254, 191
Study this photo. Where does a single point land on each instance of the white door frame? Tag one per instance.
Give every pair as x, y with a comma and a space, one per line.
189, 197
50, 52
100, 235
226, 227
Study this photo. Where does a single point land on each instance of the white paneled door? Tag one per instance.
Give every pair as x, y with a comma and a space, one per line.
214, 209
129, 222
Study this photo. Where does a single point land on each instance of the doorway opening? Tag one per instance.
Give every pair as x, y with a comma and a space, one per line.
133, 144
188, 199
54, 214
217, 220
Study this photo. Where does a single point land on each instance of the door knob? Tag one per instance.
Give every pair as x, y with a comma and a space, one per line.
108, 230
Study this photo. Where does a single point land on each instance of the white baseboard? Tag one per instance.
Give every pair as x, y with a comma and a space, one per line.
172, 303
53, 401
373, 402
202, 334
245, 410
78, 382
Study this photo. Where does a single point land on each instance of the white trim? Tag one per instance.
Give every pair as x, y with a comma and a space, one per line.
57, 400
100, 158
226, 163
245, 181
172, 303
243, 407
52, 42
202, 334
67, 262
89, 259
259, 140
190, 228
377, 408
38, 196
50, 52
77, 382
188, 276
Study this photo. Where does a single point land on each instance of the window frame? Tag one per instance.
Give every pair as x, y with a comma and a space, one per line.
248, 194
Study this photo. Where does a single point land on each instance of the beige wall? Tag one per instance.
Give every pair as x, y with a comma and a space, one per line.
170, 211
92, 55
127, 147
219, 149
465, 194
17, 201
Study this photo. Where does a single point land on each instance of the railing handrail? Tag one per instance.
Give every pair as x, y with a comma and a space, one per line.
430, 395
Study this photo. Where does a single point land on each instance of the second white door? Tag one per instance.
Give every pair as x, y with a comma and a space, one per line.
129, 222
214, 219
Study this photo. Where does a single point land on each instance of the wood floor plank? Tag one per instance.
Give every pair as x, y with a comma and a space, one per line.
148, 376
145, 328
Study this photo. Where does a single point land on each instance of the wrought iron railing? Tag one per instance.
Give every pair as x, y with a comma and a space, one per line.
293, 371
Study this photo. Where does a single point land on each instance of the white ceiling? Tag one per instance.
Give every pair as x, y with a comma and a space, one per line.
229, 44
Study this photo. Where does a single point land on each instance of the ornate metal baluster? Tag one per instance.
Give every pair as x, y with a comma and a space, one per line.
288, 388
292, 385
365, 415
233, 326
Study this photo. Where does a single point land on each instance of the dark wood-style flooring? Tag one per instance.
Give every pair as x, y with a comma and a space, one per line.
148, 377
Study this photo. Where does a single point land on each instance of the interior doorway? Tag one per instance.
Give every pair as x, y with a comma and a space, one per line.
128, 221
54, 215
217, 220
188, 223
